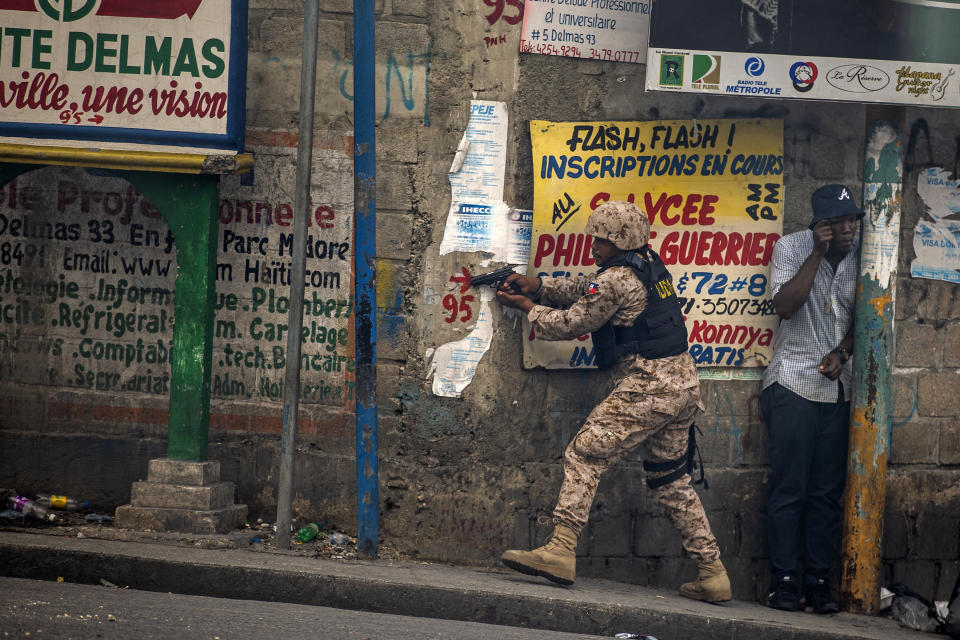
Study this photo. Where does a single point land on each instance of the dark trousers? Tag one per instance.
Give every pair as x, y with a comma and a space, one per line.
808, 468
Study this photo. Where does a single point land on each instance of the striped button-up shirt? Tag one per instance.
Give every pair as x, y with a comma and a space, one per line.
818, 326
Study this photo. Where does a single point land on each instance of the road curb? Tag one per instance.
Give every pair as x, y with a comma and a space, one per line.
431, 591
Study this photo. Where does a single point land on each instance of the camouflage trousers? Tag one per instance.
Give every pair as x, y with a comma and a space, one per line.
615, 428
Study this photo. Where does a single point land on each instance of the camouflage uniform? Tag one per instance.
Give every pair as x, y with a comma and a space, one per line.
653, 402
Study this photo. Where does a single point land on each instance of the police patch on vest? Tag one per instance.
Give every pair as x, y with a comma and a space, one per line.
664, 289
593, 288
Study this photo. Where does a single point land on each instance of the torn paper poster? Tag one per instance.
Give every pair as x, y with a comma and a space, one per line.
880, 255
458, 158
937, 242
477, 171
477, 227
477, 220
455, 363
519, 232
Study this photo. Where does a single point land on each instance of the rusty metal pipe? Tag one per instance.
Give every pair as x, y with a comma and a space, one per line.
870, 419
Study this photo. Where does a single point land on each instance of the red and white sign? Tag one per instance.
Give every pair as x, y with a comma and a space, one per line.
164, 72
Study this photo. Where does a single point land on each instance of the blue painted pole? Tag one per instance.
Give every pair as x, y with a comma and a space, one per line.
365, 274
870, 416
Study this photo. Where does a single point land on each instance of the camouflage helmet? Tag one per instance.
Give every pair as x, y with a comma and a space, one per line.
622, 223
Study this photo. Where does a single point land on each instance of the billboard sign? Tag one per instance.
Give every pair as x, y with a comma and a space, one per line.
713, 191
160, 73
889, 51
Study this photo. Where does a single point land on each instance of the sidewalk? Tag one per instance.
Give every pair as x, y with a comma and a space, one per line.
228, 567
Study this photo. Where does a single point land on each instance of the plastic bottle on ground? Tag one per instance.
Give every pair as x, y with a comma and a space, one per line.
338, 538
309, 532
60, 502
30, 508
97, 517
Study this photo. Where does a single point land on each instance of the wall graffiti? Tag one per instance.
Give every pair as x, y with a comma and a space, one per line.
405, 73
255, 247
722, 398
512, 16
87, 272
458, 307
490, 42
87, 279
507, 11
910, 414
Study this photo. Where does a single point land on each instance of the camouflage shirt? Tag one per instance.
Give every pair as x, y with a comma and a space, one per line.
587, 303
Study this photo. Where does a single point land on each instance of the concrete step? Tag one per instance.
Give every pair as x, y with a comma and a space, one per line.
211, 521
182, 496
164, 470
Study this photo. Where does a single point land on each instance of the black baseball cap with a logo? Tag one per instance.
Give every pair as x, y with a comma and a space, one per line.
833, 201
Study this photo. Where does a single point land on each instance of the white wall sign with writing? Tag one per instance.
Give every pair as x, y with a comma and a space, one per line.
593, 29
164, 72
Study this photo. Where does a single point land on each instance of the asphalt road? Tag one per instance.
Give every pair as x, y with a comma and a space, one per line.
37, 609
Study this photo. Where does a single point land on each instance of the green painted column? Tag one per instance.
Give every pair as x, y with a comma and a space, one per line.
189, 204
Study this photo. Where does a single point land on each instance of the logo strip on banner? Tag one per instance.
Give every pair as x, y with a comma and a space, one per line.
817, 78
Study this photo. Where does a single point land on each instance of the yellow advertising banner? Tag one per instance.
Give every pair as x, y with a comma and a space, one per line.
713, 190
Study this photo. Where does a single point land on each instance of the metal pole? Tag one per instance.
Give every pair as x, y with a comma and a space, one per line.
365, 269
291, 381
870, 419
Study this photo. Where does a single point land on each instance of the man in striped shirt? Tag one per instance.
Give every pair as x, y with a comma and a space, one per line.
806, 397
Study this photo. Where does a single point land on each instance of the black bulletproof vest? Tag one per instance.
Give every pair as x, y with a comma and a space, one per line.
659, 331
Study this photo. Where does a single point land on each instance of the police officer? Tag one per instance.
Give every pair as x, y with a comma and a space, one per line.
633, 314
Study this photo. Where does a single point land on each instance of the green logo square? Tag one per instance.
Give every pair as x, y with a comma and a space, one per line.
671, 70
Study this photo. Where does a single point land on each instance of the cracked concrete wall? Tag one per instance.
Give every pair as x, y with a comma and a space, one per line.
463, 479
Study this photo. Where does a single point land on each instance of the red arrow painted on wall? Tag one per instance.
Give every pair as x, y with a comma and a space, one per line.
97, 119
160, 9
157, 9
464, 280
18, 5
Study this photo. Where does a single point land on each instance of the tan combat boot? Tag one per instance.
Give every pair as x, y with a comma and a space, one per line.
711, 585
556, 560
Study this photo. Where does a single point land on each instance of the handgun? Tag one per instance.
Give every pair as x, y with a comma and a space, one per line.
494, 279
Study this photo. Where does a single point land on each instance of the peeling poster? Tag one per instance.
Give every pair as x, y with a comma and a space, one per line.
519, 231
936, 240
477, 220
455, 363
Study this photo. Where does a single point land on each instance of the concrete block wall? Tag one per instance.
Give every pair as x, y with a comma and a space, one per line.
463, 479
921, 534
